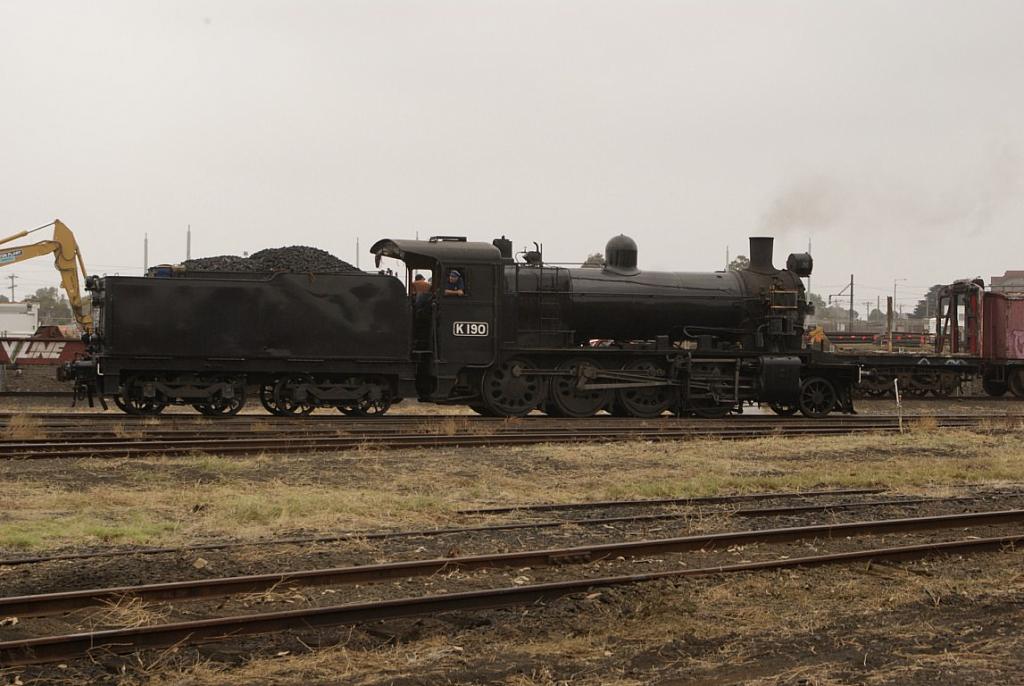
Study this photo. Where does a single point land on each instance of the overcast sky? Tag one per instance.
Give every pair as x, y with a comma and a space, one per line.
888, 133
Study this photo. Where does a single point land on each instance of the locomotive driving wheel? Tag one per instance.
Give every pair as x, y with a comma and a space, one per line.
509, 390
566, 399
649, 402
784, 409
286, 397
817, 397
711, 407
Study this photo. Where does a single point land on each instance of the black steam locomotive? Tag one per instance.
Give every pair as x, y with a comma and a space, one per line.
517, 335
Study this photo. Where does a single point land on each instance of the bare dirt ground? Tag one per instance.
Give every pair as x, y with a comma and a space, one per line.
950, 620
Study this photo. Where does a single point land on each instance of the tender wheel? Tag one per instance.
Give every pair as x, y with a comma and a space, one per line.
994, 388
509, 390
366, 408
567, 400
267, 400
1015, 381
645, 403
817, 397
784, 409
374, 403
132, 401
285, 400
219, 406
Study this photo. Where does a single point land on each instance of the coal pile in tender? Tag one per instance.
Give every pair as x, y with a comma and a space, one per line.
294, 258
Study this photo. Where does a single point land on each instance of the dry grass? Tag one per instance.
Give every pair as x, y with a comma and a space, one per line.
127, 611
22, 427
715, 630
719, 628
122, 431
451, 425
167, 500
924, 424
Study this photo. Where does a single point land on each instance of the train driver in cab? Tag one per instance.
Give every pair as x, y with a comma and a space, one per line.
419, 286
455, 285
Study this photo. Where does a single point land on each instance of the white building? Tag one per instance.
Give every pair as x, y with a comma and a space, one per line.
18, 319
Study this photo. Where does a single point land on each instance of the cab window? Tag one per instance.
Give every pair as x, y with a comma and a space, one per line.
455, 282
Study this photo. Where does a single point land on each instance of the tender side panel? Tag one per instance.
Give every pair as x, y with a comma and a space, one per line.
321, 316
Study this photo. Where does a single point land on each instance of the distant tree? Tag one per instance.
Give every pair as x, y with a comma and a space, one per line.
817, 301
834, 314
876, 316
53, 306
4, 299
594, 260
927, 305
741, 262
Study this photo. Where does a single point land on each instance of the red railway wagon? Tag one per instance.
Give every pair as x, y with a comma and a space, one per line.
987, 326
980, 334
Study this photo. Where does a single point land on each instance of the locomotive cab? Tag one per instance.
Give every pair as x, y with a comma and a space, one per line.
455, 325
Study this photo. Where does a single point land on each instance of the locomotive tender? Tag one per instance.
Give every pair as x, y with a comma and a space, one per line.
524, 335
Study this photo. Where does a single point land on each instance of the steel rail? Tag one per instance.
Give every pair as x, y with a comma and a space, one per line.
151, 432
81, 438
697, 500
119, 641
248, 446
67, 601
239, 423
393, 416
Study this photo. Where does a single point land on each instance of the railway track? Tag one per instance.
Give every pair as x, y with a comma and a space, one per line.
64, 647
684, 507
288, 437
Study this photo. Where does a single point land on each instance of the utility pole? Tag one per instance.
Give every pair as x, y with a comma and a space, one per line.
851, 302
357, 253
894, 282
842, 292
145, 253
188, 243
12, 277
888, 319
727, 258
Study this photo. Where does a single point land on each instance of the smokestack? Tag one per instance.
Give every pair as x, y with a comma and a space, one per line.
761, 254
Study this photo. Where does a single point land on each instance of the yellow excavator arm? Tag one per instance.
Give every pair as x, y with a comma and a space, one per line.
66, 257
